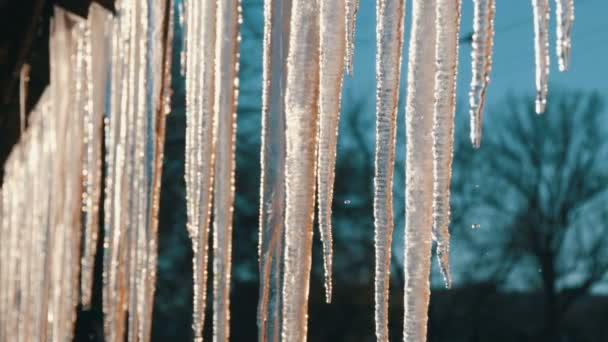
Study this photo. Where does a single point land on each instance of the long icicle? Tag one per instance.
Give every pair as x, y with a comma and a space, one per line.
133, 158
419, 170
66, 65
332, 56
113, 292
200, 93
301, 100
541, 52
352, 7
272, 161
564, 15
389, 45
226, 95
448, 23
160, 55
481, 63
97, 49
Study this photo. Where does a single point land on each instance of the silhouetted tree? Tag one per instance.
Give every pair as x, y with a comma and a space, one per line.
536, 195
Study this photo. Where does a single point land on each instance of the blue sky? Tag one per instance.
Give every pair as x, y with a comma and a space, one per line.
513, 66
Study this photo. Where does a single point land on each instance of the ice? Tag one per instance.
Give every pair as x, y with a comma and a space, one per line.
389, 44
419, 169
301, 101
541, 51
448, 22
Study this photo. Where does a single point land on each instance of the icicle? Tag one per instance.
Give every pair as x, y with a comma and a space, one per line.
389, 44
40, 231
352, 6
564, 14
419, 181
96, 62
481, 63
200, 62
226, 95
332, 57
300, 166
541, 51
272, 160
67, 61
134, 139
113, 292
448, 23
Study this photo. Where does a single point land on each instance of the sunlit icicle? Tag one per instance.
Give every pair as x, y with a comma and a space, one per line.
113, 294
200, 20
301, 101
67, 61
481, 63
446, 51
352, 6
389, 45
137, 165
419, 170
162, 58
332, 56
272, 161
226, 95
564, 15
96, 45
133, 134
541, 51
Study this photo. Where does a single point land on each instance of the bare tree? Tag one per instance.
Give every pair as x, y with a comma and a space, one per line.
537, 192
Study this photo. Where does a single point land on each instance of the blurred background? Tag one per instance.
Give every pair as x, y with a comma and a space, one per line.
529, 256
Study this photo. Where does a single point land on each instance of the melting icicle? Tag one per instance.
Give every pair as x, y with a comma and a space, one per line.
564, 14
300, 165
226, 85
332, 43
272, 160
200, 63
448, 22
352, 6
541, 51
419, 171
389, 44
481, 60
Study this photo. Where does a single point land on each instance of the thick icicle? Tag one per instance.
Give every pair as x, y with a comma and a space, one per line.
332, 56
300, 165
272, 161
419, 170
541, 51
564, 15
389, 45
481, 63
96, 69
352, 6
226, 95
200, 69
446, 51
